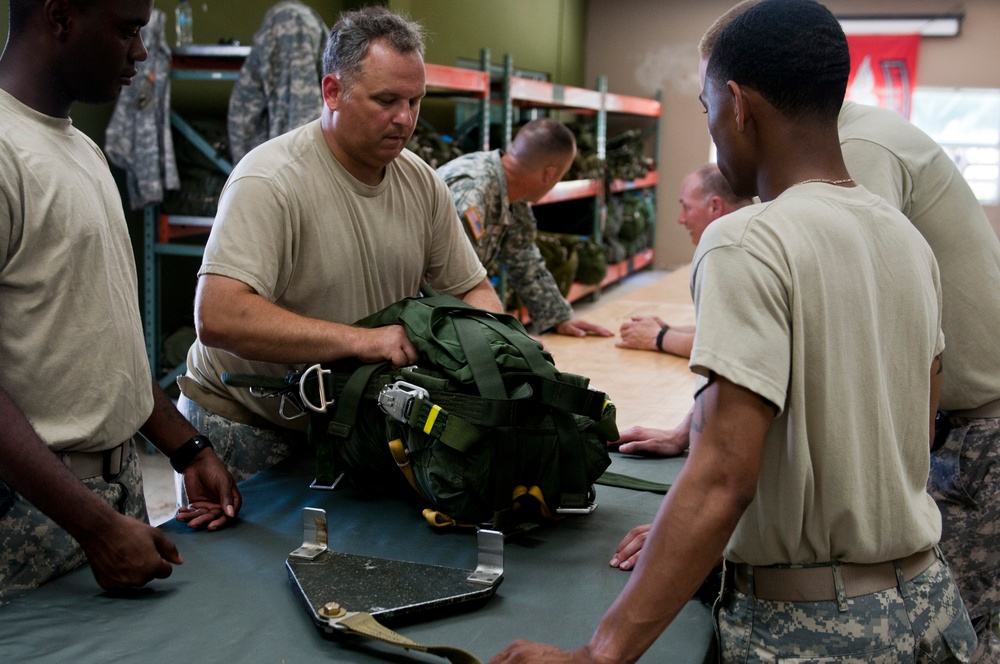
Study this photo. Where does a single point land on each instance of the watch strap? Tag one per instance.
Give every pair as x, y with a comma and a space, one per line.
186, 453
659, 337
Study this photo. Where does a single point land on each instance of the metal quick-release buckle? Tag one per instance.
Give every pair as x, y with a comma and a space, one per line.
396, 400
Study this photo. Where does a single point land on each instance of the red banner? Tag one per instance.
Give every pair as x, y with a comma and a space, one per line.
883, 70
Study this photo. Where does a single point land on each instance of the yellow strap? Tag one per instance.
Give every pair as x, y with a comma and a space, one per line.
431, 418
536, 493
441, 520
403, 461
363, 624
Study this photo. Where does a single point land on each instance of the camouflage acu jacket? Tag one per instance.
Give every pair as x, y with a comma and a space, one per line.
138, 137
279, 85
504, 232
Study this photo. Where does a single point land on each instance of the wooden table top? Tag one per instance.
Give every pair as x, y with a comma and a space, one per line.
648, 388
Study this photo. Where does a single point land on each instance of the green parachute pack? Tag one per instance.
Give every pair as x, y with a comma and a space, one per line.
484, 429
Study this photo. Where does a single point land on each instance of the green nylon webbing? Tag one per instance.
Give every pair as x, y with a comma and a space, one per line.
480, 358
634, 483
525, 345
450, 430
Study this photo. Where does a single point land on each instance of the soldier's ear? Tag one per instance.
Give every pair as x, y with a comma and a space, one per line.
58, 14
550, 174
334, 91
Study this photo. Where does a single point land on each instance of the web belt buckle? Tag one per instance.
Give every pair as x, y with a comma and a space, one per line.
396, 400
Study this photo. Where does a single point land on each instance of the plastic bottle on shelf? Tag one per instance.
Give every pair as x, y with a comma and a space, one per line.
184, 20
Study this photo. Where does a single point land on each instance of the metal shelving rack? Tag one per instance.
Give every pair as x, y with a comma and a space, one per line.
202, 63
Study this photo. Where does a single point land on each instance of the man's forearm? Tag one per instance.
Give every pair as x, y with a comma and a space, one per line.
166, 428
232, 318
29, 467
482, 296
694, 522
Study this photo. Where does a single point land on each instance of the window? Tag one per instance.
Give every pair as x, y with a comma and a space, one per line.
966, 123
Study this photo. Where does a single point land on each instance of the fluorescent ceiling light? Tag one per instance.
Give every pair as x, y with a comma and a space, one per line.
928, 26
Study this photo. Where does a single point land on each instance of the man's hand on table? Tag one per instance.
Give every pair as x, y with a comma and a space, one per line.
653, 442
129, 553
577, 327
215, 500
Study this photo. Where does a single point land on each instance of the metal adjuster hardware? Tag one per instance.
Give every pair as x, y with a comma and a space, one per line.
286, 398
396, 400
323, 403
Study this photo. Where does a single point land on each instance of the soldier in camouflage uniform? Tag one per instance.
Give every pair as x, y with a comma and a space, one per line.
139, 139
818, 354
75, 386
965, 482
492, 193
278, 89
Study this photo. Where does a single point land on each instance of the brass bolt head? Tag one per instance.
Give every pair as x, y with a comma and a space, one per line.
331, 610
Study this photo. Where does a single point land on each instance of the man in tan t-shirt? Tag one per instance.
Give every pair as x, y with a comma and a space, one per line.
895, 160
75, 385
317, 229
818, 355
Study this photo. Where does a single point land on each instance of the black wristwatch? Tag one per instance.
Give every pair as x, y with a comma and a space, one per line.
185, 453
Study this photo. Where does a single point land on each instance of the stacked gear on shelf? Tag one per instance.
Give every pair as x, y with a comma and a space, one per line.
434, 148
631, 217
624, 156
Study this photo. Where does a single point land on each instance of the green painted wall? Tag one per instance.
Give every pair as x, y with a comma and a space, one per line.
541, 35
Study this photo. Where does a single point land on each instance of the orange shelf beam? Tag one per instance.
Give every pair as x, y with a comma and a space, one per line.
569, 190
635, 105
651, 179
525, 90
457, 79
173, 226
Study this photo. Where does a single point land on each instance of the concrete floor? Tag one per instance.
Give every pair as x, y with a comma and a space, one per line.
158, 486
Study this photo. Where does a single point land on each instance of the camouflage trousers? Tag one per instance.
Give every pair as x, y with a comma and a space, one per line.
965, 483
244, 449
34, 550
926, 623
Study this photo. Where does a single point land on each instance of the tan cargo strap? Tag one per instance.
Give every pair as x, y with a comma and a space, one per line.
363, 624
107, 464
819, 583
403, 462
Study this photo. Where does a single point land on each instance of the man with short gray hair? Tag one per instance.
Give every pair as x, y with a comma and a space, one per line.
493, 192
317, 229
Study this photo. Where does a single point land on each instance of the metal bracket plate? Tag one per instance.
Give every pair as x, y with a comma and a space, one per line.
387, 589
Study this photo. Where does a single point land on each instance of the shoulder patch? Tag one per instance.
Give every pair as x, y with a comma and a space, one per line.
475, 222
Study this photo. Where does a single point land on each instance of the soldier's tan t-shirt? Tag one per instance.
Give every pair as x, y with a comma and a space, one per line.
826, 302
309, 237
71, 345
892, 158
